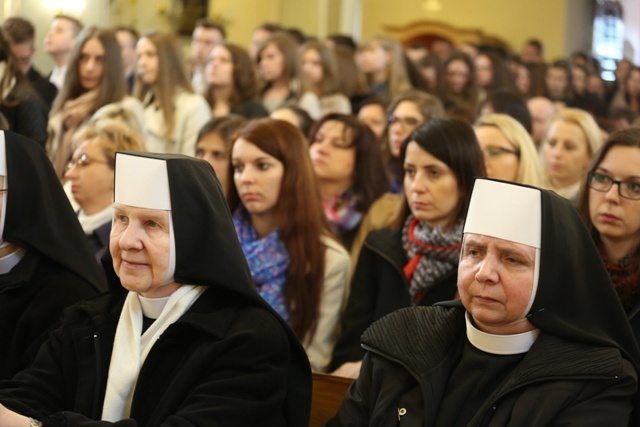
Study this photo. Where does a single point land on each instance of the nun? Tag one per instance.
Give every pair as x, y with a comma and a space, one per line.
182, 338
537, 338
45, 262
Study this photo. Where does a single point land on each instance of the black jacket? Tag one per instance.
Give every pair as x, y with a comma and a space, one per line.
378, 288
220, 364
32, 296
26, 113
558, 382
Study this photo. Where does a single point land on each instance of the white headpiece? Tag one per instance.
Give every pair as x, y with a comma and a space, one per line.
143, 182
509, 212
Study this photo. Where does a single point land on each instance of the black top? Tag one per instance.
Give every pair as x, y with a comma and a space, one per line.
208, 253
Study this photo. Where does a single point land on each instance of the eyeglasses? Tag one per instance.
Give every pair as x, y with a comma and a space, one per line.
82, 162
493, 152
626, 189
411, 122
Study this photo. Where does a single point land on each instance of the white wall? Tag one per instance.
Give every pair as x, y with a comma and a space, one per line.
631, 11
41, 13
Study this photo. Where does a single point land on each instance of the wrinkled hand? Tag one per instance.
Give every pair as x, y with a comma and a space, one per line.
8, 418
347, 370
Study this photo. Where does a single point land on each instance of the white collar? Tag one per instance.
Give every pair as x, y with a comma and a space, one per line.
152, 307
500, 344
7, 262
90, 222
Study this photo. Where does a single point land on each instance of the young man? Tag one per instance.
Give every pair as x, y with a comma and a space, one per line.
20, 34
127, 39
58, 43
206, 35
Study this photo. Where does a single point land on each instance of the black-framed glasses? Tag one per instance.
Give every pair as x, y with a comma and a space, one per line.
493, 152
626, 189
411, 122
82, 161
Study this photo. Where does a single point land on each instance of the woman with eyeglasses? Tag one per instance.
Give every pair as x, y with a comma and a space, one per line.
405, 113
414, 261
609, 204
509, 152
90, 172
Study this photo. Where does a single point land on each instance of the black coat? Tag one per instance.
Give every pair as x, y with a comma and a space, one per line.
220, 364
32, 296
558, 382
26, 113
43, 87
378, 288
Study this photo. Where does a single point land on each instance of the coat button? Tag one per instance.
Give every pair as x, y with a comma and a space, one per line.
401, 412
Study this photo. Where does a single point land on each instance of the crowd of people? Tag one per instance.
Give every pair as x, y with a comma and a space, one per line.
183, 241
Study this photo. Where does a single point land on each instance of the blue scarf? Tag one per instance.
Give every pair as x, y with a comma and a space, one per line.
268, 261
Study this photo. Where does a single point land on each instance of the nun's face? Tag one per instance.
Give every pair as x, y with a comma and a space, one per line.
140, 244
495, 282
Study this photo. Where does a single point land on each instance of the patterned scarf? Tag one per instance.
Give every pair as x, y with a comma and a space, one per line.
343, 213
625, 276
431, 252
268, 261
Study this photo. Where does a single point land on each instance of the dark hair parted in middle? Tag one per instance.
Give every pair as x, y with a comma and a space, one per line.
301, 220
112, 86
370, 178
453, 142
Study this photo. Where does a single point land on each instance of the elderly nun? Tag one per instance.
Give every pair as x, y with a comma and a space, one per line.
182, 338
538, 337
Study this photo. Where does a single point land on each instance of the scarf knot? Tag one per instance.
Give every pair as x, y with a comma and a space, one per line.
431, 252
343, 212
268, 261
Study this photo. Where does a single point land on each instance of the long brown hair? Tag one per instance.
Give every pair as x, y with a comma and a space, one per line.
245, 78
172, 75
301, 222
112, 85
370, 178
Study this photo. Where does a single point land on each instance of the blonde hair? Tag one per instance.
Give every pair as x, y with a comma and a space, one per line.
398, 75
585, 121
111, 135
529, 169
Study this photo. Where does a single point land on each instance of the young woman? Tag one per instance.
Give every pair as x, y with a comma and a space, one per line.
629, 94
405, 113
214, 145
319, 87
278, 68
571, 139
458, 89
381, 59
296, 266
348, 164
491, 74
610, 206
509, 152
173, 113
372, 112
93, 80
232, 83
414, 262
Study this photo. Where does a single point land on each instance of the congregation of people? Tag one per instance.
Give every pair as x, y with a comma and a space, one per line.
184, 240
